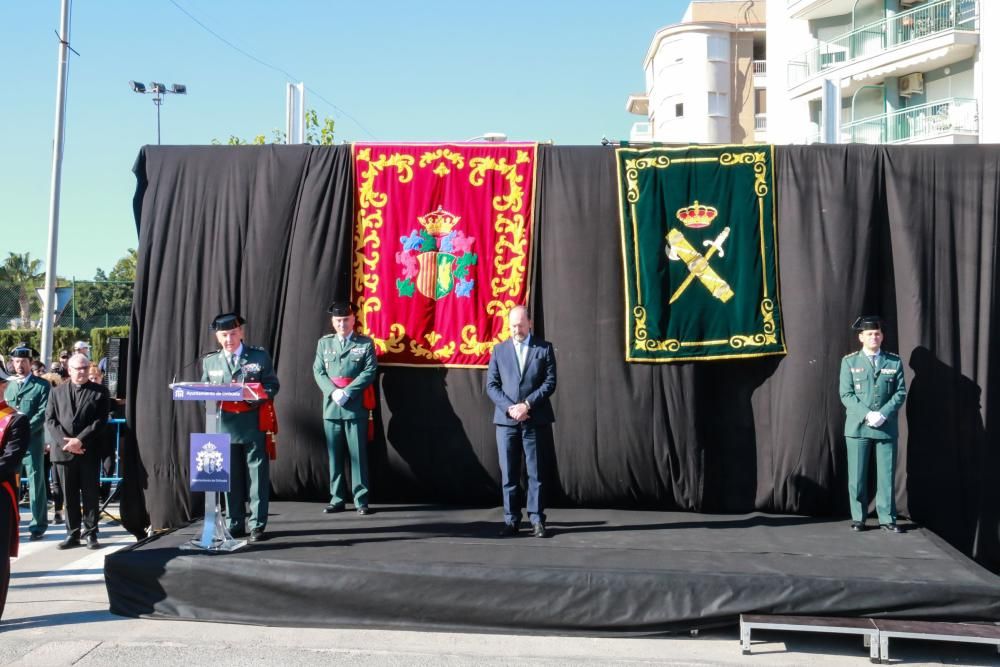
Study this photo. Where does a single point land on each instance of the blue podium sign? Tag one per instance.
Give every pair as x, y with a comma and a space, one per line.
210, 461
197, 391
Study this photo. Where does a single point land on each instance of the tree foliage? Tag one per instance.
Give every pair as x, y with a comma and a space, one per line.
23, 274
317, 132
108, 299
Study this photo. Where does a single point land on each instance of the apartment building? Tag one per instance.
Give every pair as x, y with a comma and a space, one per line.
903, 71
706, 80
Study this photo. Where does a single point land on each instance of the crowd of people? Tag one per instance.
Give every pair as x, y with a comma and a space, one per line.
30, 389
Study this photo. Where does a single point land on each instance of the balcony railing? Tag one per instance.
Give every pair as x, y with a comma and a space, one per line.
917, 23
949, 116
760, 67
760, 122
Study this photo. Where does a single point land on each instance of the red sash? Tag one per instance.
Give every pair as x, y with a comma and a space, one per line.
367, 401
267, 421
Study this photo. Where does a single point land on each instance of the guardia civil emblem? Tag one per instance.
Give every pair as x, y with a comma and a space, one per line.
435, 260
696, 217
209, 459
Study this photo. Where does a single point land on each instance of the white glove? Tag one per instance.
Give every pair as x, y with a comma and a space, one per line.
339, 396
874, 419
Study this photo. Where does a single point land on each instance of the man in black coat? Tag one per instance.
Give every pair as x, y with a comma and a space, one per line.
519, 381
76, 417
15, 436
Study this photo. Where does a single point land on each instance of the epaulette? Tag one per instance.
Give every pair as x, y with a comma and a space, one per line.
329, 335
851, 354
891, 355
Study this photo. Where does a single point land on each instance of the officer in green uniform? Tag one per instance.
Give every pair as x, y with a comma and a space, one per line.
872, 389
29, 395
344, 367
238, 363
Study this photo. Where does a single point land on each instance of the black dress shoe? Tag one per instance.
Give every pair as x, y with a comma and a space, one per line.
34, 537
58, 518
857, 526
70, 542
890, 528
333, 509
257, 535
365, 510
539, 530
92, 542
508, 530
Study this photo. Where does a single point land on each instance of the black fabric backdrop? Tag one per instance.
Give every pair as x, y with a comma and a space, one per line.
908, 232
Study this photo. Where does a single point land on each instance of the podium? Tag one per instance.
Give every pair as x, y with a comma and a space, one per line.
214, 535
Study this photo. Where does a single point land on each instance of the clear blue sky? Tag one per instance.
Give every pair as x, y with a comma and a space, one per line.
395, 71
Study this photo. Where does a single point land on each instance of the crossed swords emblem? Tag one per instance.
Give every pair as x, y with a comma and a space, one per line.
680, 249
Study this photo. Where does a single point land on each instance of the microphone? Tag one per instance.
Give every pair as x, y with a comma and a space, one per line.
192, 363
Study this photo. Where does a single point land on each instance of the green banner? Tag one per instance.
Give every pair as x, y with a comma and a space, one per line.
699, 244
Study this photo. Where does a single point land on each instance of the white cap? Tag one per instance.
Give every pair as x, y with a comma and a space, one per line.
81, 345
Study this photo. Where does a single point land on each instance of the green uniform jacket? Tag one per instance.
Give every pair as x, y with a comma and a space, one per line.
863, 389
30, 398
357, 361
253, 365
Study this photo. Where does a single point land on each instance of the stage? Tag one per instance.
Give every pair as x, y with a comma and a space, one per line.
602, 572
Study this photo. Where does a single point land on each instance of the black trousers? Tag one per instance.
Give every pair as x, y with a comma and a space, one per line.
80, 480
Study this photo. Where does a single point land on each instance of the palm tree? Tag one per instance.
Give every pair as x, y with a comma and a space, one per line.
23, 273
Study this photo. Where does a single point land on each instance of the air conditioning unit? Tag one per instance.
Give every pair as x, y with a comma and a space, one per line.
911, 84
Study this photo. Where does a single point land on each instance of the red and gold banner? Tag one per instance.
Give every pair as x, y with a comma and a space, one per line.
442, 247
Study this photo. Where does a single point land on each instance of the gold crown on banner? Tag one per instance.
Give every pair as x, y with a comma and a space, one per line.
439, 222
697, 215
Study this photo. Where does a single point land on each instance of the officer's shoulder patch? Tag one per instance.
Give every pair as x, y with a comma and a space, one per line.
890, 355
852, 354
329, 335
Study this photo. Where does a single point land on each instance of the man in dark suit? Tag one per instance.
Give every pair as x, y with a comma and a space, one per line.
15, 437
520, 380
76, 417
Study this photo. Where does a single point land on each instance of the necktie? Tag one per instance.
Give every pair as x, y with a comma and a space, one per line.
520, 347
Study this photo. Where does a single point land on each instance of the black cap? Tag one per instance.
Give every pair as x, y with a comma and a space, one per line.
22, 351
340, 309
867, 322
227, 321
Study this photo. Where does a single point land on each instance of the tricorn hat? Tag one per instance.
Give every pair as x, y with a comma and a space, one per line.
340, 309
867, 322
23, 351
227, 321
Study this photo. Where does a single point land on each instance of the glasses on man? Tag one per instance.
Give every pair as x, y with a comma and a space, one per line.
79, 368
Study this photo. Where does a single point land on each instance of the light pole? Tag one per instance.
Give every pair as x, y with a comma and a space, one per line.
157, 90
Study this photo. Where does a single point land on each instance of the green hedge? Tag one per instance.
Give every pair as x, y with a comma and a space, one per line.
62, 339
99, 339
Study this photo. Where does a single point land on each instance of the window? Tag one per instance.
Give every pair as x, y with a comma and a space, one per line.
679, 110
718, 104
718, 48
